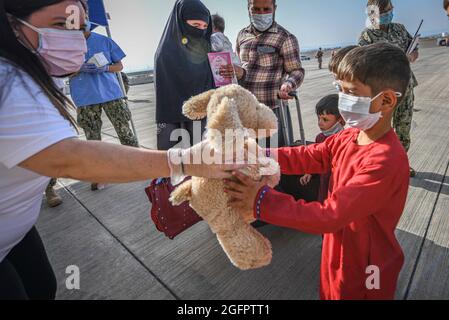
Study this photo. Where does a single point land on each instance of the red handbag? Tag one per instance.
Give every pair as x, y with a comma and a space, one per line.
168, 219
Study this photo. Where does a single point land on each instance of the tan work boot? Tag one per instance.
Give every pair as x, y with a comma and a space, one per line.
53, 199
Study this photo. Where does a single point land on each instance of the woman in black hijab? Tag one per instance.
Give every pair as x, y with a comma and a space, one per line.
182, 68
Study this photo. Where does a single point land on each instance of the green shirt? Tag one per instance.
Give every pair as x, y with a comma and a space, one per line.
395, 34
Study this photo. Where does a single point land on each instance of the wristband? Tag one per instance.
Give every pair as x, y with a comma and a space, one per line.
268, 153
260, 198
176, 165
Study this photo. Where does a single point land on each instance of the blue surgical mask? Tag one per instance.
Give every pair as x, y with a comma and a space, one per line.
386, 18
338, 127
262, 22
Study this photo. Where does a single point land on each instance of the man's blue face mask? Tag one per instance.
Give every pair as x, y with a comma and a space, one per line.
386, 18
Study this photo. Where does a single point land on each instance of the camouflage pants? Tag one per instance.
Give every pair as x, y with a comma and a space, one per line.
89, 118
402, 119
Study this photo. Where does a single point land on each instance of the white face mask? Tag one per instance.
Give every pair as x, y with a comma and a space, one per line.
356, 111
262, 22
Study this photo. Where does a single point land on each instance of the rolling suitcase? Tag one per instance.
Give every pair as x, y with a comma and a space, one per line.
290, 184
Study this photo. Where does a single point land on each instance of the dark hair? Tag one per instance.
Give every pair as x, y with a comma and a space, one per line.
446, 4
380, 66
381, 4
250, 1
85, 5
218, 23
21, 57
338, 57
328, 105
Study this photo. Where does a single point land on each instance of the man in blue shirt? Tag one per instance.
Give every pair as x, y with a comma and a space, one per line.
96, 88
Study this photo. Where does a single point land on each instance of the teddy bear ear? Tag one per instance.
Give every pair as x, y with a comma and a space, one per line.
196, 107
267, 120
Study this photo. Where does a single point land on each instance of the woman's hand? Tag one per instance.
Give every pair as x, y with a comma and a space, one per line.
203, 161
88, 68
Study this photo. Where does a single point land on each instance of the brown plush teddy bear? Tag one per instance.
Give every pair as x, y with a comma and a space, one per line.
231, 108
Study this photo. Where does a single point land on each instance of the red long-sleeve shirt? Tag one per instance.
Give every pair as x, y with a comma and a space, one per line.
367, 195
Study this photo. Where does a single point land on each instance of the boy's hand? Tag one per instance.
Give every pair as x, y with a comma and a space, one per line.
305, 180
243, 194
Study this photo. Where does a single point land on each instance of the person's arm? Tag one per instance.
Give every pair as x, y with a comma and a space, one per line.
237, 45
364, 39
116, 67
292, 62
239, 71
369, 190
366, 193
314, 159
117, 55
109, 163
92, 68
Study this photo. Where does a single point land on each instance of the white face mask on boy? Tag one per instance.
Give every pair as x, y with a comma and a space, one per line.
356, 110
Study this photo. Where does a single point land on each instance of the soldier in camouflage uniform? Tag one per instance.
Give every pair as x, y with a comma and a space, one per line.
319, 55
398, 35
96, 88
89, 118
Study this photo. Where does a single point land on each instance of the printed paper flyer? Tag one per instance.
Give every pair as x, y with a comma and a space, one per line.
217, 60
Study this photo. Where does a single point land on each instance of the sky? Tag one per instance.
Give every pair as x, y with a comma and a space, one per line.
137, 25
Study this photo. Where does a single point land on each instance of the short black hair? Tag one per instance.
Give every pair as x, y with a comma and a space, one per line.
328, 105
446, 4
249, 2
218, 22
381, 4
380, 66
338, 57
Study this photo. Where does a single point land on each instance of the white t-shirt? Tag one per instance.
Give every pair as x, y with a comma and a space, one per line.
29, 123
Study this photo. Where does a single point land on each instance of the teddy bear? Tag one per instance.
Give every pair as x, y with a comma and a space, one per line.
231, 108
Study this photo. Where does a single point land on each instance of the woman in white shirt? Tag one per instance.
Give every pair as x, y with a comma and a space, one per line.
38, 137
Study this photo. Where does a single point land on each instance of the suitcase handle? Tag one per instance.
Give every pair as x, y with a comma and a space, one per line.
294, 94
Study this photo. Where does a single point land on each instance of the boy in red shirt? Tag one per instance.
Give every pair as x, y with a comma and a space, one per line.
361, 257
